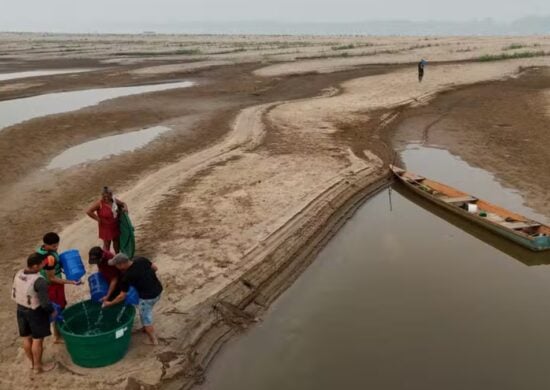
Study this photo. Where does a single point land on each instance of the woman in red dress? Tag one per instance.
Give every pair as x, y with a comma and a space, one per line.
105, 211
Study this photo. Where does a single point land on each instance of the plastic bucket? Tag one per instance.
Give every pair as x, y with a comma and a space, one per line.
132, 298
98, 286
72, 264
110, 339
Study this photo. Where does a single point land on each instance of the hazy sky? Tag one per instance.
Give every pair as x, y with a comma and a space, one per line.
68, 14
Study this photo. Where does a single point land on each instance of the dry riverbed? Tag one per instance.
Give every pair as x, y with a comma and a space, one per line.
265, 160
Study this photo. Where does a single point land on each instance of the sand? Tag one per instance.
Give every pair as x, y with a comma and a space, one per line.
266, 160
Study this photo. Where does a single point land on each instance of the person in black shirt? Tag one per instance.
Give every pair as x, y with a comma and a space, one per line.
141, 274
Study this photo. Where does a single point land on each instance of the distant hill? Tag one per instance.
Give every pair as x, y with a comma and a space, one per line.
524, 26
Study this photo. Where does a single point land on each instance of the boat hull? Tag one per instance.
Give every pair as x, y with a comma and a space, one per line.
536, 244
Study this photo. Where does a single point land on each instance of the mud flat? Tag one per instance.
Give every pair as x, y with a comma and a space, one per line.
258, 171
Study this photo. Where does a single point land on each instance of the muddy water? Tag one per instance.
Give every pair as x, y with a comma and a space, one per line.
18, 110
105, 147
36, 73
404, 299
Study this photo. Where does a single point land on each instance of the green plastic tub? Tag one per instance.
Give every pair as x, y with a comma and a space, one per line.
96, 337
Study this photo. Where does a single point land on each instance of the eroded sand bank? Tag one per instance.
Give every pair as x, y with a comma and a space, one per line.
234, 212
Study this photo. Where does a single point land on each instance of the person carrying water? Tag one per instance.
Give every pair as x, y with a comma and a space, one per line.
52, 272
34, 310
101, 258
142, 275
106, 212
421, 66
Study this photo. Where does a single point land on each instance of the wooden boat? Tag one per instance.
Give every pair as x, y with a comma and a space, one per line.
517, 228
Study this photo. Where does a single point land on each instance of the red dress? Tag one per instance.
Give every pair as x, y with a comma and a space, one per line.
108, 222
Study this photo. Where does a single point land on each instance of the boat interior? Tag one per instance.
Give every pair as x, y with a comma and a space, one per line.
497, 215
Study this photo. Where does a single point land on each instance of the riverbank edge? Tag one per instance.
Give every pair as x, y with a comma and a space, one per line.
278, 261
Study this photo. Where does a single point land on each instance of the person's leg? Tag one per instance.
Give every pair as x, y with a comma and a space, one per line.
37, 349
116, 244
107, 245
56, 293
150, 330
40, 328
27, 346
146, 317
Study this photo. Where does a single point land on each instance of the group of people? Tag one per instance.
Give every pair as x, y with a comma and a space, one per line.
39, 288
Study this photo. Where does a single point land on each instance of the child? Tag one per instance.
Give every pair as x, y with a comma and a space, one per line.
52, 272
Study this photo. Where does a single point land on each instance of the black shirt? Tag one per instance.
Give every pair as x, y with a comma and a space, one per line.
143, 278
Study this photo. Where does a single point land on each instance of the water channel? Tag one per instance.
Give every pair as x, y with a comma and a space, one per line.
406, 297
36, 73
105, 147
18, 110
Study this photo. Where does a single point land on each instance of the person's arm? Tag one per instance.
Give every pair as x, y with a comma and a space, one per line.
112, 287
54, 279
41, 288
122, 205
119, 298
92, 211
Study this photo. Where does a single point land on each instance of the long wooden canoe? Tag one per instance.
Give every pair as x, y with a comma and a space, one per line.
517, 228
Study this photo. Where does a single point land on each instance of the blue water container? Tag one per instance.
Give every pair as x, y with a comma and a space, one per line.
132, 298
59, 316
98, 286
72, 264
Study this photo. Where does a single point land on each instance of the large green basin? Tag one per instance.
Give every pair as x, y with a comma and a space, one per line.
94, 341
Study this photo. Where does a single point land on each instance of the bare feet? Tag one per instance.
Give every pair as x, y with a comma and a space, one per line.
44, 368
59, 341
138, 330
151, 341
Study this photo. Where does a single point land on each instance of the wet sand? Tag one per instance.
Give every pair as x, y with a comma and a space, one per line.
257, 174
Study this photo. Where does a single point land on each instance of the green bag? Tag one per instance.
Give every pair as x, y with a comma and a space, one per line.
127, 238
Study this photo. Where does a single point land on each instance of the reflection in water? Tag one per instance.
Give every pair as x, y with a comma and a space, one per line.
104, 147
399, 300
18, 110
518, 252
440, 165
36, 73
404, 300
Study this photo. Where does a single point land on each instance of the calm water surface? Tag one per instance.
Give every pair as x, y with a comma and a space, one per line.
105, 147
402, 299
19, 110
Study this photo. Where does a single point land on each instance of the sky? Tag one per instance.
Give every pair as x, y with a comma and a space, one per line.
62, 15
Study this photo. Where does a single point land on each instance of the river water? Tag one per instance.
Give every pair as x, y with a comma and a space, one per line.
405, 297
19, 110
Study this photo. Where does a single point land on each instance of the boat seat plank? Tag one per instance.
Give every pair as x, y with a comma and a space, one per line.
519, 225
458, 199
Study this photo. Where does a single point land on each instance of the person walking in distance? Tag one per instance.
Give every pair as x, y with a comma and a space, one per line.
421, 66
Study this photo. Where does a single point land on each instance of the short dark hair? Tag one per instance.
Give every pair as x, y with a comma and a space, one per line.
35, 259
95, 254
50, 238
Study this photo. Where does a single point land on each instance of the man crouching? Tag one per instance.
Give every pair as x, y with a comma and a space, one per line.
34, 309
141, 274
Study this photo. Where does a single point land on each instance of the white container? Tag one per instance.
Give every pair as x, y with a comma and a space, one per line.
472, 208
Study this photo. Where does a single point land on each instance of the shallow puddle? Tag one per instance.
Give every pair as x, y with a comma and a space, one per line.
405, 297
105, 147
18, 110
36, 73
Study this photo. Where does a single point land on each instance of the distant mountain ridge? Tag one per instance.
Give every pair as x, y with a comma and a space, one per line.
524, 26
539, 25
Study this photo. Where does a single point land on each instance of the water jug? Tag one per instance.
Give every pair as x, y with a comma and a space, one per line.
98, 286
72, 264
59, 315
132, 298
